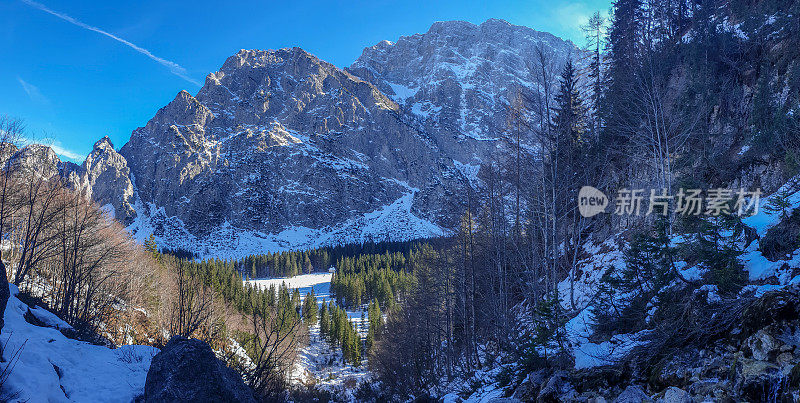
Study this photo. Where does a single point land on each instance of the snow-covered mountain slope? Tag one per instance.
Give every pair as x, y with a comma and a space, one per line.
764, 275
395, 221
459, 79
280, 141
49, 367
281, 150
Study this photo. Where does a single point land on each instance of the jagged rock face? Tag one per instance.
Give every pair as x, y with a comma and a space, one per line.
277, 139
280, 141
36, 159
7, 151
105, 177
459, 79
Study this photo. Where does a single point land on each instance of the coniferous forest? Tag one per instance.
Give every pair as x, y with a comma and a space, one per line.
633, 235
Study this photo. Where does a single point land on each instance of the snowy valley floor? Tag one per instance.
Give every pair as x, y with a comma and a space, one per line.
321, 364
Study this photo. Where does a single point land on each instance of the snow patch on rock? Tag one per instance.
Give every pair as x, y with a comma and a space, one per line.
54, 368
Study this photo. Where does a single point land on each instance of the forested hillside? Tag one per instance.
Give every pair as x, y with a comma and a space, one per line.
614, 221
671, 96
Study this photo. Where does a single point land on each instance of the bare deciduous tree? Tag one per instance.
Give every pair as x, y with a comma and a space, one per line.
277, 333
193, 306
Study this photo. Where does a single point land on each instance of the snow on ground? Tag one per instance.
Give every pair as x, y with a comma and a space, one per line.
54, 368
761, 268
321, 364
401, 92
764, 220
588, 354
600, 259
758, 266
49, 319
395, 221
470, 171
318, 362
319, 282
608, 255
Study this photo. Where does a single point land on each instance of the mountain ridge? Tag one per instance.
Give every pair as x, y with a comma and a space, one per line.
282, 150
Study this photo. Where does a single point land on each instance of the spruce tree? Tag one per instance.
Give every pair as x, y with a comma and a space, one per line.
310, 308
623, 58
355, 347
779, 203
569, 121
151, 246
324, 320
623, 294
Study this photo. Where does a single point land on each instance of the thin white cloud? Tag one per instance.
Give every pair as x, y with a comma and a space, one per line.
57, 147
33, 92
572, 15
68, 153
175, 68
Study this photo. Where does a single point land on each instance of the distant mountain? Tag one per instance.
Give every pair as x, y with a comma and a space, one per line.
281, 150
458, 78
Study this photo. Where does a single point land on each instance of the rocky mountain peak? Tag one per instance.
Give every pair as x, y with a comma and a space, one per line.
457, 79
281, 150
37, 159
104, 144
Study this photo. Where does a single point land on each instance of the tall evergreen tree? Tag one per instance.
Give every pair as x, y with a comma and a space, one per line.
594, 36
151, 246
310, 308
623, 59
569, 121
324, 320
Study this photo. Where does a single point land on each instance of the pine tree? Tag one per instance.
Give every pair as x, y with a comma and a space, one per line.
324, 320
151, 246
347, 352
355, 347
375, 317
594, 36
569, 120
621, 302
717, 250
370, 340
780, 203
623, 58
310, 308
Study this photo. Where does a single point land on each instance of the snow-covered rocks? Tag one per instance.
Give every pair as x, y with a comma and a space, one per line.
457, 79
280, 150
49, 367
186, 370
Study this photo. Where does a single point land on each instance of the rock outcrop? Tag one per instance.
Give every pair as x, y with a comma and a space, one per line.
280, 149
186, 370
280, 139
458, 79
105, 177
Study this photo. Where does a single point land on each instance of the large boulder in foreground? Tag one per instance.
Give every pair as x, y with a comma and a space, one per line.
186, 370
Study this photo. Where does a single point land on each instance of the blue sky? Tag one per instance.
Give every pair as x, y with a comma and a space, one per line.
79, 70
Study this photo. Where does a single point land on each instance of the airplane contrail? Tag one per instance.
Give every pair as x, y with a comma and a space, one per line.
175, 68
